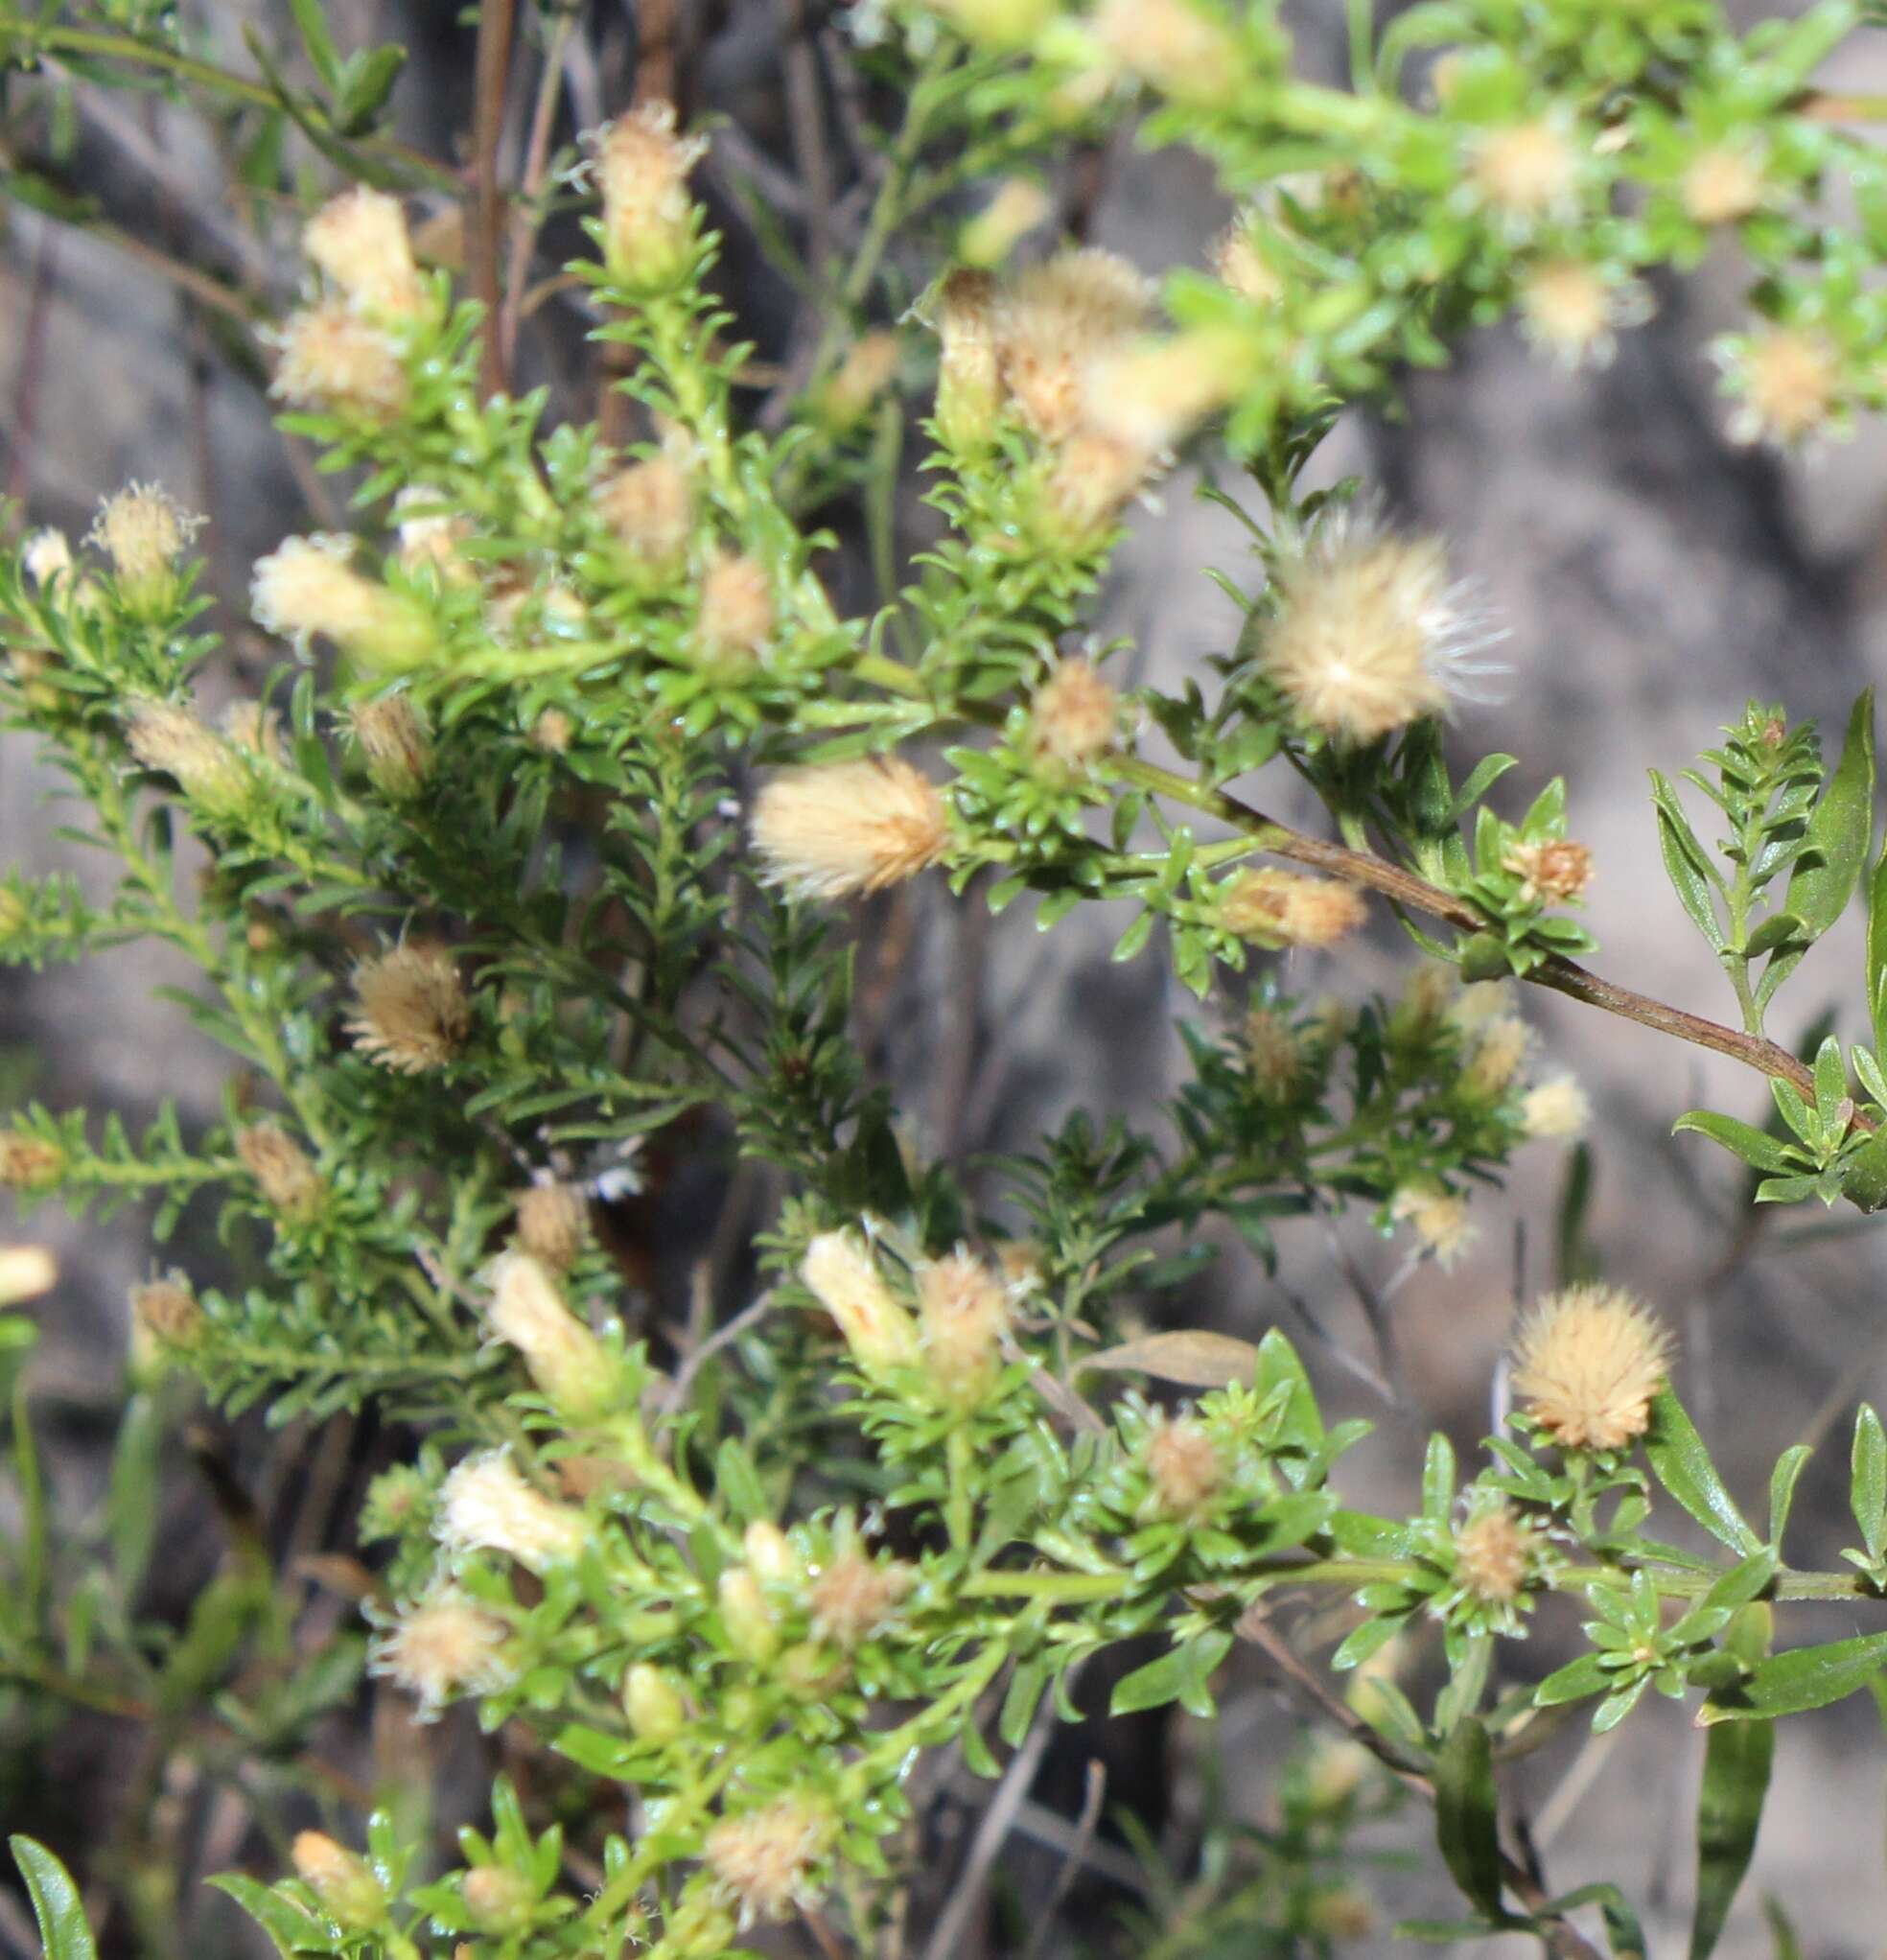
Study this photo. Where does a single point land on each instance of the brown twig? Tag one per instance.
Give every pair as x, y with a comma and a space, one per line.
527, 219
491, 74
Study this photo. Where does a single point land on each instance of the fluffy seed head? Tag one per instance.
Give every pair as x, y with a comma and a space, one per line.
1790, 385
1056, 318
840, 1272
395, 745
166, 1310
1553, 873
26, 1271
410, 1010
649, 508
1368, 634
1074, 717
46, 555
854, 1596
963, 1309
1439, 1221
288, 1183
441, 1646
1176, 48
643, 166
28, 1163
360, 241
170, 741
1723, 184
143, 533
765, 1860
1184, 1466
487, 1505
330, 356
736, 616
1525, 171
841, 828
1587, 1363
1492, 1553
306, 586
553, 1221
968, 374
1558, 1108
341, 1881
564, 1359
1290, 909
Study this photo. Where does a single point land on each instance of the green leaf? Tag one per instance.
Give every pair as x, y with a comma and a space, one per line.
1877, 953
64, 1933
1687, 864
1789, 1466
1466, 1814
131, 1515
366, 81
1756, 1147
1153, 1686
1864, 1173
1682, 1464
1736, 1764
1867, 1486
1840, 830
310, 18
292, 1929
1779, 929
1799, 1680
1830, 1086
1573, 1681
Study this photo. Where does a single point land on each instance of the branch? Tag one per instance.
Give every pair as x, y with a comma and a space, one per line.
490, 75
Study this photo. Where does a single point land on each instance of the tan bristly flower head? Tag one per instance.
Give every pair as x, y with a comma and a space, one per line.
1553, 873
1289, 908
553, 1224
144, 532
566, 1361
1184, 1466
1791, 385
1369, 633
1075, 715
1496, 1058
736, 616
410, 1010
1587, 1363
395, 745
46, 555
166, 1310
854, 1596
1274, 1055
1092, 480
306, 586
968, 379
1439, 1220
287, 1181
1180, 49
1724, 184
963, 1309
1152, 395
841, 828
440, 1646
1056, 319
1526, 170
360, 241
170, 741
1569, 310
487, 1505
643, 166
1492, 1553
1242, 266
765, 1860
28, 1163
330, 356
840, 1272
649, 509
1558, 1110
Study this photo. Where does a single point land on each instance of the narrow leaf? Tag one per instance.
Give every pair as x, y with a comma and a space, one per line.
1840, 830
1682, 1464
55, 1904
1789, 1466
1867, 1488
1191, 1357
1799, 1680
1756, 1147
1466, 1814
1736, 1764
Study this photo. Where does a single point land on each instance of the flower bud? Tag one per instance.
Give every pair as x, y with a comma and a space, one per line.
1175, 46
771, 1555
26, 1271
166, 1310
1184, 1468
753, 1629
643, 166
553, 1221
170, 741
487, 1505
1439, 1219
360, 240
395, 745
1290, 909
842, 1275
1558, 1110
963, 1309
328, 357
46, 555
1019, 206
28, 1163
341, 1881
566, 1361
969, 393
1092, 479
736, 616
411, 1012
287, 1179
649, 509
855, 1596
656, 1711
441, 1646
1075, 715
499, 1899
143, 533
764, 1860
869, 368
306, 586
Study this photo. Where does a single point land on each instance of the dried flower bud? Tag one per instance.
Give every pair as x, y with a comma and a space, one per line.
1789, 381
1440, 1221
1092, 479
46, 555
1019, 206
343, 1883
170, 741
1492, 1552
29, 1163
1558, 1108
1058, 319
1587, 1363
1724, 184
969, 393
412, 1014
26, 1271
1527, 171
765, 1862
853, 1598
963, 1309
439, 1647
395, 745
736, 616
840, 1272
553, 1221
654, 1706
328, 357
753, 1628
143, 533
1290, 909
287, 1179
1274, 1055
1075, 715
552, 731
487, 1505
842, 828
499, 1899
1368, 633
1180, 49
1550, 873
306, 586
360, 240
1496, 1058
1183, 1467
867, 369
567, 1361
649, 508
648, 235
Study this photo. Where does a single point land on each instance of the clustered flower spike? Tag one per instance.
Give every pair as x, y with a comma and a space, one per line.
838, 829
1588, 1362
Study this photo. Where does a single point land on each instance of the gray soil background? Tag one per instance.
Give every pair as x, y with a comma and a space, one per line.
1650, 575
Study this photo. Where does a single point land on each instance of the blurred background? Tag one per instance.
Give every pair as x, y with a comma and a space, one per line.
1649, 575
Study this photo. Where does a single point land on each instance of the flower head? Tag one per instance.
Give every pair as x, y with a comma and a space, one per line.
144, 532
643, 166
1093, 478
26, 1271
1056, 318
1184, 1467
1587, 1363
1289, 908
170, 741
963, 1309
46, 555
289, 1183
1788, 380
853, 1595
840, 1272
869, 367
1274, 1055
1569, 309
1553, 873
410, 1010
431, 533
441, 1646
1240, 260
1176, 47
29, 1163
1152, 395
330, 356
1500, 1047
360, 240
341, 1880
166, 1310
1368, 634
1492, 1552
553, 1221
487, 1505
766, 1860
840, 829
1526, 172
736, 616
395, 745
1724, 184
1075, 715
1558, 1108
649, 509
1439, 1219
968, 377
566, 1361
306, 586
